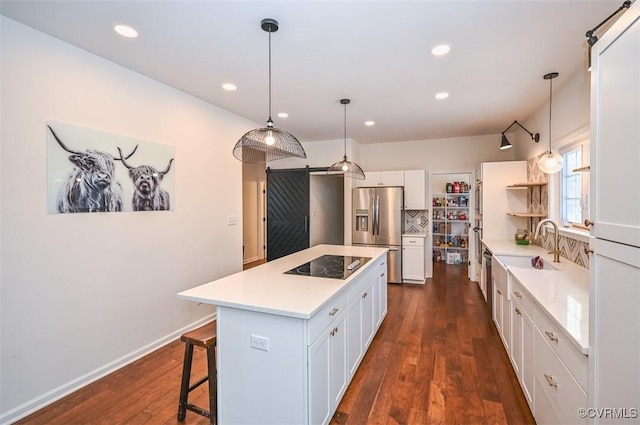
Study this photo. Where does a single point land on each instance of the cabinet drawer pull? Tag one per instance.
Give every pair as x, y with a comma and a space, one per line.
517, 294
333, 331
518, 312
499, 292
588, 223
552, 336
365, 295
551, 381
334, 311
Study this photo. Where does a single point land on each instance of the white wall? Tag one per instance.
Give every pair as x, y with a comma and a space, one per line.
570, 113
82, 294
435, 155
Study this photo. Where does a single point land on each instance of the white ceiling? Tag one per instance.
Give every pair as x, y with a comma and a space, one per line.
374, 52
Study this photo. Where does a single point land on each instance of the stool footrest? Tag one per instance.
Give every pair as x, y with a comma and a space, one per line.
198, 410
197, 384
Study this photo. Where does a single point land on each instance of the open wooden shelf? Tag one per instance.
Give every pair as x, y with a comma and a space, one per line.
527, 215
526, 185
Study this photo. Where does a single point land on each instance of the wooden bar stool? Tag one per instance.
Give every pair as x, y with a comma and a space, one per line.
205, 337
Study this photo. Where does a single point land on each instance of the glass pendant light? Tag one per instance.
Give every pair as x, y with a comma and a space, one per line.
550, 163
346, 167
268, 143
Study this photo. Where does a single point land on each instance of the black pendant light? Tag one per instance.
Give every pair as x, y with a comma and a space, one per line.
346, 167
550, 163
268, 143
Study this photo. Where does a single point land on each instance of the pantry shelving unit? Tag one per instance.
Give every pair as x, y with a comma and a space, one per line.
450, 220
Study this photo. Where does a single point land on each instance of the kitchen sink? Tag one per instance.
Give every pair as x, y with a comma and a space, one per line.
524, 262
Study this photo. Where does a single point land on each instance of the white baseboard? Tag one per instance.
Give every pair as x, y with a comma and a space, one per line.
251, 260
56, 394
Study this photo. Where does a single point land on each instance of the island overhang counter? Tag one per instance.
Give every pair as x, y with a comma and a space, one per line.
288, 345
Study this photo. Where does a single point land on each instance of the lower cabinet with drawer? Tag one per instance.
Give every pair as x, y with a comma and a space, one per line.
558, 396
413, 258
348, 324
551, 370
522, 329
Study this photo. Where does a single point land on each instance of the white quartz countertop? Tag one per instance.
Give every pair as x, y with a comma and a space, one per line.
267, 289
562, 294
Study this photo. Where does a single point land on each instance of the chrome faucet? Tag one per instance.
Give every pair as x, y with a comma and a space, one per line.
556, 248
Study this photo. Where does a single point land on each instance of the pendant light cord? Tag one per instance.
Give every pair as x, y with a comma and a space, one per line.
270, 120
345, 131
550, 103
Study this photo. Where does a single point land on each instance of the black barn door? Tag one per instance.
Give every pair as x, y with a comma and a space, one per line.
287, 212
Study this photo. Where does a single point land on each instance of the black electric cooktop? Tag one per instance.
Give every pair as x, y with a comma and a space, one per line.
330, 266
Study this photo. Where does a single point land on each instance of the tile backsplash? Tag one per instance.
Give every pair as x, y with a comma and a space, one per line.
537, 202
416, 221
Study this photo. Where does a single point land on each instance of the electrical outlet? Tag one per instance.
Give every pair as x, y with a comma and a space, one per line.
260, 342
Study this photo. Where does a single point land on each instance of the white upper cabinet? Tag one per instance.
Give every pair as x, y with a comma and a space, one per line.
415, 190
382, 178
615, 132
413, 181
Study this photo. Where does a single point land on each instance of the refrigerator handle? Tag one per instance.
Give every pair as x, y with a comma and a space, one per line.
376, 215
306, 224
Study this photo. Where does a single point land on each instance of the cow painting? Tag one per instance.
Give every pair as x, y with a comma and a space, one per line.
91, 186
148, 195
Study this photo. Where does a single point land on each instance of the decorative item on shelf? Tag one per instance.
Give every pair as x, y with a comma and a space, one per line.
456, 187
449, 188
522, 237
268, 143
505, 143
346, 167
550, 163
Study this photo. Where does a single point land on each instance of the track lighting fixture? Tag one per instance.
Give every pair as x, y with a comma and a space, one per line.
504, 144
592, 38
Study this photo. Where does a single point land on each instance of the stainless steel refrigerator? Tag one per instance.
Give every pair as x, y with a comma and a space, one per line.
377, 221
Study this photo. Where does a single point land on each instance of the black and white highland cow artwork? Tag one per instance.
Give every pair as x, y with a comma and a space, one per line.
147, 195
90, 171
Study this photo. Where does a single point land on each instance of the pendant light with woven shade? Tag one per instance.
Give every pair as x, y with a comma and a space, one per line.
268, 143
346, 167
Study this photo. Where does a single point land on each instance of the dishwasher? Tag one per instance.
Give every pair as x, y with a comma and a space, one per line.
486, 270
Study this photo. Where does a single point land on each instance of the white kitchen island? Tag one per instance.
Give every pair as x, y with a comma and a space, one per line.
288, 345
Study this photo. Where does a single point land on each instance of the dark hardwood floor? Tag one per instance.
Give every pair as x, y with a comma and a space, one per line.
437, 359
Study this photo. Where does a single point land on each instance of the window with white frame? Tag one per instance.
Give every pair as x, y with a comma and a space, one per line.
574, 185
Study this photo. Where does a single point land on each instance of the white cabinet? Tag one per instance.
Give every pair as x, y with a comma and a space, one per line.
380, 308
413, 181
614, 327
614, 267
327, 371
501, 302
415, 190
522, 328
382, 178
413, 258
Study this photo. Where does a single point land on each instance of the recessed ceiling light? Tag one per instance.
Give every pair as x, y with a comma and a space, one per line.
283, 115
126, 31
440, 50
442, 95
369, 123
229, 86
